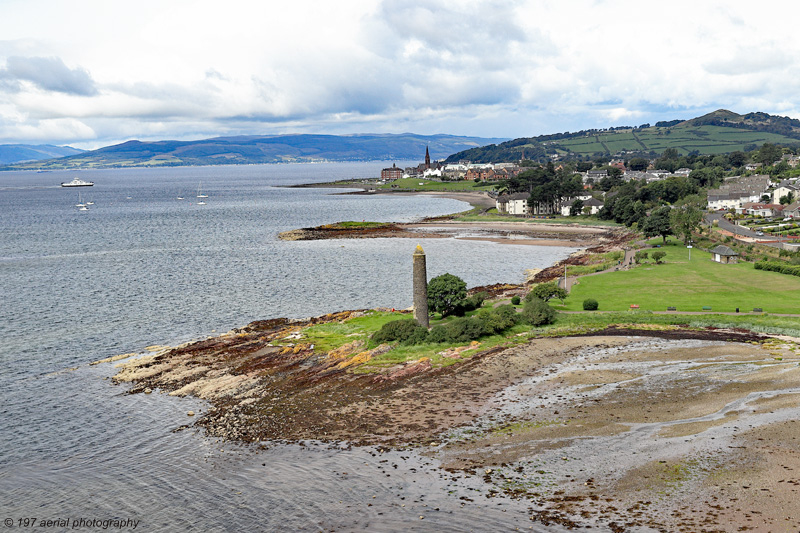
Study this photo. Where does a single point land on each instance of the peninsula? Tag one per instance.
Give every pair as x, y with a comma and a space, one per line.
624, 420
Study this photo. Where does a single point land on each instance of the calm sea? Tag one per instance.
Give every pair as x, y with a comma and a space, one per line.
146, 264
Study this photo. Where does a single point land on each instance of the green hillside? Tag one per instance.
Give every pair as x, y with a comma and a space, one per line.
719, 132
684, 138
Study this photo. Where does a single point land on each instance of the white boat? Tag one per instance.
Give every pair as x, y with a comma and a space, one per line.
77, 182
200, 192
80, 205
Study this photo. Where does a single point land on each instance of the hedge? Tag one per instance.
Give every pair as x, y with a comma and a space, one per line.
775, 266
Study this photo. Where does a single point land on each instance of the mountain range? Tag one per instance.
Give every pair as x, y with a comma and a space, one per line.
719, 132
264, 149
17, 153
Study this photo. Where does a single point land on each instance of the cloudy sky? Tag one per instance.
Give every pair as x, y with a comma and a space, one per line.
89, 73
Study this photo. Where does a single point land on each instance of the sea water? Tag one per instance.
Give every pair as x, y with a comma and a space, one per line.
146, 264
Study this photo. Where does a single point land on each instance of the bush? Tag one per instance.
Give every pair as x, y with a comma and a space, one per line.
465, 329
775, 266
498, 319
470, 304
398, 330
658, 256
438, 334
590, 304
445, 293
515, 300
537, 313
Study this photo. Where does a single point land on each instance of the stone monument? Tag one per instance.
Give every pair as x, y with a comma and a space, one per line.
420, 287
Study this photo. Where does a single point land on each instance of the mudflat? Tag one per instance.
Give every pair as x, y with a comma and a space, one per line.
673, 430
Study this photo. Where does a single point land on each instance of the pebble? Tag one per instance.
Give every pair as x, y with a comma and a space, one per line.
190, 413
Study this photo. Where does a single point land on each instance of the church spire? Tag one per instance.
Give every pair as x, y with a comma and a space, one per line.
427, 159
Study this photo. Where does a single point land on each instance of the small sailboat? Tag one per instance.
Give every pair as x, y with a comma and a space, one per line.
81, 205
200, 191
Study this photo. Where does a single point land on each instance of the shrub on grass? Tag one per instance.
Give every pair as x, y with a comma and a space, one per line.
465, 329
499, 319
470, 304
537, 313
438, 334
590, 304
515, 300
658, 256
398, 330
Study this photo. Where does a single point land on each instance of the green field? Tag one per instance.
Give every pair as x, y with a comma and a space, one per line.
688, 286
421, 184
705, 139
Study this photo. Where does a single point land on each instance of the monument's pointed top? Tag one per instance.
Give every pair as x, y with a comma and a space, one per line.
419, 250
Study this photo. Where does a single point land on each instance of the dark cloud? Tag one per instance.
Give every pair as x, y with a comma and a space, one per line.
48, 73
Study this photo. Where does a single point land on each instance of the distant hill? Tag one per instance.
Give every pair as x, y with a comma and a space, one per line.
265, 149
715, 133
15, 153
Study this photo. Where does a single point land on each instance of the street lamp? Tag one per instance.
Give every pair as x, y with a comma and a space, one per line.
690, 252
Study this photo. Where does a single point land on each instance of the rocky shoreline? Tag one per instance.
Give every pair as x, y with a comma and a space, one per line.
539, 421
663, 429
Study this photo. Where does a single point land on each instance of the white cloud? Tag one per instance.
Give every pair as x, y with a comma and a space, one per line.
192, 68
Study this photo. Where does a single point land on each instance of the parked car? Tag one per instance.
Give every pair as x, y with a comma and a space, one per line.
759, 233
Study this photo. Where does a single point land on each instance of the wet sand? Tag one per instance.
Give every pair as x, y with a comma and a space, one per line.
633, 430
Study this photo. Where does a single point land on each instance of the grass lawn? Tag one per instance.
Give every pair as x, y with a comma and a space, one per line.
688, 286
421, 184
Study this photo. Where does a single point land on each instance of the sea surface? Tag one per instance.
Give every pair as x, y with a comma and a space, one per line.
147, 264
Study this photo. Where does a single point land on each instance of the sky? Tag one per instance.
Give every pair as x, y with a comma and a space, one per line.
91, 73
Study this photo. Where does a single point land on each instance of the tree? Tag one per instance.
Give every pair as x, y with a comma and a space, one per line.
787, 198
658, 255
445, 293
577, 207
658, 223
686, 217
640, 256
768, 154
737, 159
638, 164
547, 291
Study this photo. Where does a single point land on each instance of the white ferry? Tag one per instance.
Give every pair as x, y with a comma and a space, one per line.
77, 182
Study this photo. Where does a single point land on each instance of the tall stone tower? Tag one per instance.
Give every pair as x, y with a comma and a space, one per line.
420, 278
427, 159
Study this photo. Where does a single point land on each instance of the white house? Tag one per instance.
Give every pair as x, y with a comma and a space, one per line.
784, 189
590, 205
738, 191
792, 210
513, 204
763, 210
